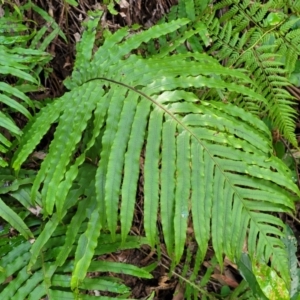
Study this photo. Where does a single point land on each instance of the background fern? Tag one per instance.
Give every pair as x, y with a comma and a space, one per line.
260, 37
50, 271
24, 65
20, 66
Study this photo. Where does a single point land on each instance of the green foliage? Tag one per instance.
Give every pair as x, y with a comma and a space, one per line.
211, 161
42, 265
290, 242
270, 283
36, 285
204, 160
264, 281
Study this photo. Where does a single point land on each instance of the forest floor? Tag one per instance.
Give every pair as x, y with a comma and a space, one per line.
145, 13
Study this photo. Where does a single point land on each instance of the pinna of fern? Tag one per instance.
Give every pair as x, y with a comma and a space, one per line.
204, 160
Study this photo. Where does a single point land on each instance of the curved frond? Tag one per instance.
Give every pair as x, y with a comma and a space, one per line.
212, 161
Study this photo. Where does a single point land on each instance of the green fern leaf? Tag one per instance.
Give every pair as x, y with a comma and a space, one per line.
116, 267
13, 261
131, 165
238, 42
112, 120
74, 228
71, 234
201, 198
72, 173
85, 46
8, 70
106, 246
29, 285
7, 123
42, 239
12, 103
190, 9
167, 198
16, 106
182, 193
92, 284
114, 170
151, 175
46, 17
113, 287
76, 115
37, 293
10, 216
13, 287
48, 115
151, 33
85, 250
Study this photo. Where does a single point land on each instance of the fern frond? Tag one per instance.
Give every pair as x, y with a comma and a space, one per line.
16, 62
87, 41
214, 160
151, 173
71, 234
46, 17
112, 120
114, 170
190, 9
167, 202
132, 157
7, 123
182, 193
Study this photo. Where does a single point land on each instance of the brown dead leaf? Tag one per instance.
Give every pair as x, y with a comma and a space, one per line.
35, 210
77, 36
123, 4
227, 278
179, 292
163, 284
39, 155
8, 279
228, 262
224, 280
